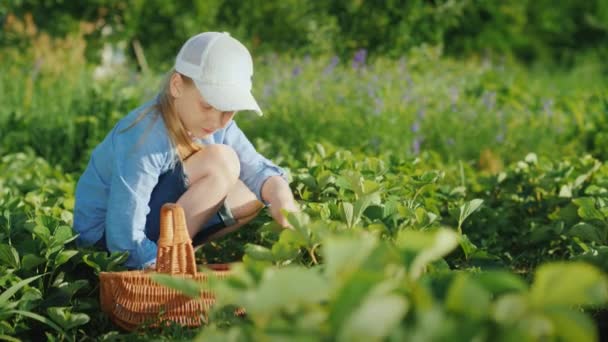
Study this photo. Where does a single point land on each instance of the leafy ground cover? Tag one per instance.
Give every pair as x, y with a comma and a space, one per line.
442, 200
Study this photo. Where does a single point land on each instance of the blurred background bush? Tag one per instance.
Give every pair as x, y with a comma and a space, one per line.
531, 30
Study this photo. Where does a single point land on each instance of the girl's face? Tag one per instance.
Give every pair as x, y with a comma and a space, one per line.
198, 116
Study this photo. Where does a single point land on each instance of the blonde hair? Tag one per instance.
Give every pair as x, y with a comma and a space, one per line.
178, 134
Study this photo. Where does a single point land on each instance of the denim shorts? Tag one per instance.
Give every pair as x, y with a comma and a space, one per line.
170, 187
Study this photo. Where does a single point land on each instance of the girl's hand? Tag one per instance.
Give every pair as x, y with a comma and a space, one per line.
277, 214
278, 195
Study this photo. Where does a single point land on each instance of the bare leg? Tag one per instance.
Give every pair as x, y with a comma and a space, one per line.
213, 173
244, 207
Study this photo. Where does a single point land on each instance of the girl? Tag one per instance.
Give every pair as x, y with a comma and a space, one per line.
181, 147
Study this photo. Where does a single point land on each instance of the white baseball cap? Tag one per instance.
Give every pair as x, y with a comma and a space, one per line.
221, 68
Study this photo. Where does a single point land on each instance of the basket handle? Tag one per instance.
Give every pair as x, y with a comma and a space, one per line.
175, 253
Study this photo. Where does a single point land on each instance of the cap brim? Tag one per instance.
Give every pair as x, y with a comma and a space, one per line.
228, 98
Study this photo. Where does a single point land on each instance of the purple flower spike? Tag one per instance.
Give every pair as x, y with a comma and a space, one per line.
416, 127
332, 65
296, 71
379, 106
416, 146
421, 113
500, 137
359, 58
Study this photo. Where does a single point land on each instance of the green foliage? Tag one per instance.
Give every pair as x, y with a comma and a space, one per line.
441, 200
528, 29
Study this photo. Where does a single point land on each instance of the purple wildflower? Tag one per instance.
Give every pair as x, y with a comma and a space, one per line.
359, 59
332, 65
416, 127
421, 113
500, 137
379, 105
371, 91
268, 89
296, 71
416, 146
409, 80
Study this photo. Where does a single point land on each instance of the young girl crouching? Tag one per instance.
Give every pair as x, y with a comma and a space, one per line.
181, 147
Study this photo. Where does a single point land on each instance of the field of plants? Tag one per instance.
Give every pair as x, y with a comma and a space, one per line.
444, 199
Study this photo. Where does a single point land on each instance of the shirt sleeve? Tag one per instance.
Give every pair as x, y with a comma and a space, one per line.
135, 171
255, 168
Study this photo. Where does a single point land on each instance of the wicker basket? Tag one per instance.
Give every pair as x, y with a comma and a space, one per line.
131, 298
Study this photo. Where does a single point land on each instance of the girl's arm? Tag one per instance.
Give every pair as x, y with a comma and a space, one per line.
265, 179
277, 193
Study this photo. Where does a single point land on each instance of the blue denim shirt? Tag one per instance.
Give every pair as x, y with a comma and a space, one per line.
113, 192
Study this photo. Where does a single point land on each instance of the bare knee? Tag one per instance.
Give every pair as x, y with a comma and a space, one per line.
219, 162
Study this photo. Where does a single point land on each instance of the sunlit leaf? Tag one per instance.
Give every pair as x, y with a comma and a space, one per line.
67, 319
188, 287
568, 284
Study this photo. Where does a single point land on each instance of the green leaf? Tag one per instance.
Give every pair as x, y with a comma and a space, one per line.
100, 261
587, 209
594, 190
349, 291
43, 233
370, 188
287, 287
258, 252
597, 257
467, 246
63, 235
29, 261
344, 255
499, 282
64, 256
375, 319
588, 232
9, 338
362, 203
568, 284
510, 308
300, 222
188, 287
320, 150
348, 213
572, 325
463, 292
325, 178
344, 183
466, 210
429, 246
284, 251
39, 318
289, 236
565, 191
66, 318
9, 256
6, 295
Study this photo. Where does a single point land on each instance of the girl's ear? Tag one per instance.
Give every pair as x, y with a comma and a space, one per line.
176, 85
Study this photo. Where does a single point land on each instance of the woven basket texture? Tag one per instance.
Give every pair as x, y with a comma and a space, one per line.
132, 298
